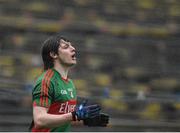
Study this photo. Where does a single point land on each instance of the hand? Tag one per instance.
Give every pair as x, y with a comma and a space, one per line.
102, 120
83, 112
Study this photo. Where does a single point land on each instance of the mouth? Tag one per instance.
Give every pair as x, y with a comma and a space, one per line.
74, 56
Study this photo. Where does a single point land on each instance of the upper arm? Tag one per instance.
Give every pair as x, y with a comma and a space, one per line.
42, 98
43, 93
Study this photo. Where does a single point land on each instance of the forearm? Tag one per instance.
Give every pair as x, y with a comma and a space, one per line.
49, 120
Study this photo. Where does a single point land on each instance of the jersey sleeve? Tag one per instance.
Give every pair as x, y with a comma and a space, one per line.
43, 93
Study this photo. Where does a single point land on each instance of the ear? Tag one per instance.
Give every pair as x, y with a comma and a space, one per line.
53, 55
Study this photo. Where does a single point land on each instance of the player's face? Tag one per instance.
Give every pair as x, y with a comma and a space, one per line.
67, 53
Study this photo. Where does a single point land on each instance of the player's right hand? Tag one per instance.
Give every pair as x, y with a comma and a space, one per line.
83, 112
100, 121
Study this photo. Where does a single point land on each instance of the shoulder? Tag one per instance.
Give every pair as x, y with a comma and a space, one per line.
44, 81
46, 76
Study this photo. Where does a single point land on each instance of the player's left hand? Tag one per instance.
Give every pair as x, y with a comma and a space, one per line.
83, 111
102, 120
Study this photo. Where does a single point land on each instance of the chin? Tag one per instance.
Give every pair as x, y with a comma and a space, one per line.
74, 62
71, 64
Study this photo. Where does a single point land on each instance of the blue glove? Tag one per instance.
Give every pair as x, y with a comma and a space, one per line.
83, 112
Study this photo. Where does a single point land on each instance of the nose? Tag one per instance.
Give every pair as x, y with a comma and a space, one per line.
73, 48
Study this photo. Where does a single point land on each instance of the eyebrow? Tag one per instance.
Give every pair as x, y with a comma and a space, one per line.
66, 42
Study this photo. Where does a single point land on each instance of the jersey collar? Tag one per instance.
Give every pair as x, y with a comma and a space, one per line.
64, 79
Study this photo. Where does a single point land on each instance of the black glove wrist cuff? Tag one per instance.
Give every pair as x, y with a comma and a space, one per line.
73, 115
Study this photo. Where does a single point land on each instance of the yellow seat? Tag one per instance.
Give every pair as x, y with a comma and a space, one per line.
103, 79
114, 104
151, 111
80, 84
164, 83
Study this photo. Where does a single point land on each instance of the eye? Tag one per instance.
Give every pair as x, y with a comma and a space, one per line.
65, 45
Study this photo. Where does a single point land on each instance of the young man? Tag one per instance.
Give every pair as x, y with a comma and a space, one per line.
54, 94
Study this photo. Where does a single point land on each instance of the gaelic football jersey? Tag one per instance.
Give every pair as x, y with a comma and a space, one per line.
56, 94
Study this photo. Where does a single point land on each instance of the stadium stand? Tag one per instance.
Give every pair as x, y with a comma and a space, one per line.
128, 59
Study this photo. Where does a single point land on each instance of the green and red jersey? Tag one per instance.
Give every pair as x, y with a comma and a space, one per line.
56, 94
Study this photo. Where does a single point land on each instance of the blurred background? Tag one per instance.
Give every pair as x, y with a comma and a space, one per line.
128, 59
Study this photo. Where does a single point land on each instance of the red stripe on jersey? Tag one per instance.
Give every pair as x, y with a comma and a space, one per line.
34, 103
42, 88
40, 130
45, 86
47, 89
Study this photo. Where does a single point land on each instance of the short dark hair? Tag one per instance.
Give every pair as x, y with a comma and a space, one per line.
50, 45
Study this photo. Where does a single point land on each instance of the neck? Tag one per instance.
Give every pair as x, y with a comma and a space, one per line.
62, 70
